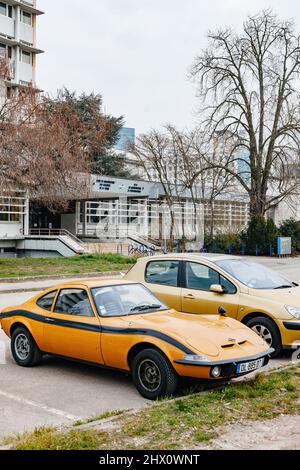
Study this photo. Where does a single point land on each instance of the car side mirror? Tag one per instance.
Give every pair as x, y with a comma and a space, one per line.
222, 312
217, 289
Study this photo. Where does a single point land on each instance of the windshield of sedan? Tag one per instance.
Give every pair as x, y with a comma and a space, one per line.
254, 275
126, 299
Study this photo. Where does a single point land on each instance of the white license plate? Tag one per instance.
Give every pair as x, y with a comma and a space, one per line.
250, 366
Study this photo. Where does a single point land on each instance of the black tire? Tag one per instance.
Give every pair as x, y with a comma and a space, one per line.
24, 350
153, 375
268, 330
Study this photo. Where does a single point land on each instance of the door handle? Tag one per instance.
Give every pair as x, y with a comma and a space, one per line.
50, 320
189, 296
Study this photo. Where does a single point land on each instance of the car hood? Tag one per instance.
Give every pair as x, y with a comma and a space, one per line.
289, 296
206, 334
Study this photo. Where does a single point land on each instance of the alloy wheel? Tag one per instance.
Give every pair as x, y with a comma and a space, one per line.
149, 375
264, 333
22, 347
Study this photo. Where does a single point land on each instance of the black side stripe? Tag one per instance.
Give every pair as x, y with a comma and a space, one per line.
98, 328
146, 332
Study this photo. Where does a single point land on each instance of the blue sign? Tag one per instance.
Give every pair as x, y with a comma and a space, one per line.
284, 246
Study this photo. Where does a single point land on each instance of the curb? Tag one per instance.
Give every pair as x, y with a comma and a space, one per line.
104, 275
16, 280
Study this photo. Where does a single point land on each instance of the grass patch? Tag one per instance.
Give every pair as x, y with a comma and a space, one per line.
105, 415
182, 423
24, 267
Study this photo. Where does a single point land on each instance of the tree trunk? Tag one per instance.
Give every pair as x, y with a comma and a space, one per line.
258, 202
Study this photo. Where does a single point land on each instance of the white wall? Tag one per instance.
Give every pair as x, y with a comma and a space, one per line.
25, 72
287, 209
10, 230
26, 33
7, 26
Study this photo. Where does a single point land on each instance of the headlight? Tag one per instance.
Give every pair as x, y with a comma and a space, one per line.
294, 311
195, 358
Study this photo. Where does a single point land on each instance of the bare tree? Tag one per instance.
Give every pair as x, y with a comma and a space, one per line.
248, 86
154, 154
208, 176
38, 152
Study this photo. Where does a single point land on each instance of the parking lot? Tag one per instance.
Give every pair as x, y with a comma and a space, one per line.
59, 392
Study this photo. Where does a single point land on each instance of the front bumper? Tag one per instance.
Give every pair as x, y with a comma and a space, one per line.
228, 366
290, 333
292, 325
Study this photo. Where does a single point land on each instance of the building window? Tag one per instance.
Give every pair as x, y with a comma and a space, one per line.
26, 18
11, 209
6, 10
2, 50
25, 57
3, 8
5, 51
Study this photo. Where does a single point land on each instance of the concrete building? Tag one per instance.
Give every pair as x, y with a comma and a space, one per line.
18, 50
119, 213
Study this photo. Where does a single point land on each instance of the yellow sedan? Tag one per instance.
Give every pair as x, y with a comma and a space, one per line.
249, 292
122, 325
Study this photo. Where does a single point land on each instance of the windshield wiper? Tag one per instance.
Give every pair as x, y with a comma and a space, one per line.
284, 286
143, 307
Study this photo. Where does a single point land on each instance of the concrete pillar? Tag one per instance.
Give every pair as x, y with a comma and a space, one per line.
26, 217
123, 217
84, 203
17, 49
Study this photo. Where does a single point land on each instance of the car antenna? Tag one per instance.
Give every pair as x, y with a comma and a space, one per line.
222, 312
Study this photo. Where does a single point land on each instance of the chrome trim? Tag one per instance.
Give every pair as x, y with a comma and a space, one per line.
238, 360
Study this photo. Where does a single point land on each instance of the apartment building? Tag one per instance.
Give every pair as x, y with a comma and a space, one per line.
18, 50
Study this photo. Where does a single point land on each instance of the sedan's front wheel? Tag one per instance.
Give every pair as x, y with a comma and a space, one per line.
24, 350
153, 375
268, 331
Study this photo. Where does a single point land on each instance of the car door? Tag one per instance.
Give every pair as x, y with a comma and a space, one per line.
43, 308
162, 277
196, 295
73, 328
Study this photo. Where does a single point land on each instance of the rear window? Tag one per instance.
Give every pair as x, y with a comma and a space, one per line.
162, 272
46, 301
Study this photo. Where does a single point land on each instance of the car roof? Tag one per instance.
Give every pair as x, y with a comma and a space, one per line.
94, 283
212, 257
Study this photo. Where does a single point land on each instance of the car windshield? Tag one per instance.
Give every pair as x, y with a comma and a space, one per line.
125, 299
254, 275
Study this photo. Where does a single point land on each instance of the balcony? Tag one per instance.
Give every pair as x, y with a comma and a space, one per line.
26, 33
7, 26
25, 73
27, 5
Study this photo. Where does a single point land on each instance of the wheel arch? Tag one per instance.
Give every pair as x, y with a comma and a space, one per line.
19, 324
252, 315
140, 347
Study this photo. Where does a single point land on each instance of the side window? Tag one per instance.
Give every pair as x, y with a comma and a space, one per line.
74, 302
46, 301
227, 285
162, 272
201, 277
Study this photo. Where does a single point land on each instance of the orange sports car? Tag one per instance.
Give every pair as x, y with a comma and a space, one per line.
122, 325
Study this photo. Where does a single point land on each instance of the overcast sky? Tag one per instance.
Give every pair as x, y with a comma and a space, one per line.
136, 53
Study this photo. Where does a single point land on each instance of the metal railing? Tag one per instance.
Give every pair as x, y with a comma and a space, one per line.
54, 232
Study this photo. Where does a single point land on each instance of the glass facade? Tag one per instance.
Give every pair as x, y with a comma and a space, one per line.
126, 138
